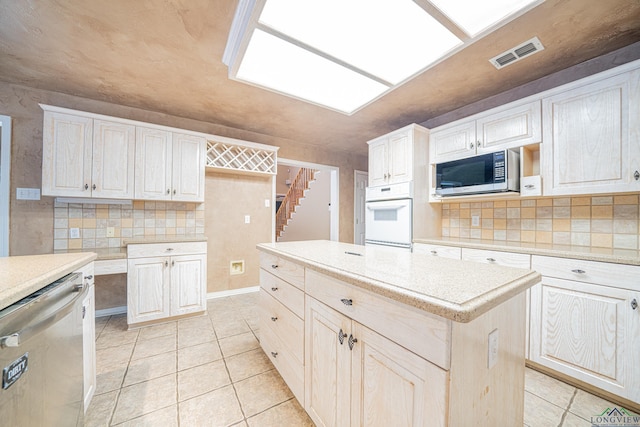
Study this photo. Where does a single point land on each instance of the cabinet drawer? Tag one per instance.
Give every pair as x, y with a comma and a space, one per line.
602, 273
437, 250
423, 333
507, 259
290, 296
291, 371
286, 270
531, 186
110, 266
286, 325
165, 249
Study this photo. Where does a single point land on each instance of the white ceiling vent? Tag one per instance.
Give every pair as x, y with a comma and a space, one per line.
517, 53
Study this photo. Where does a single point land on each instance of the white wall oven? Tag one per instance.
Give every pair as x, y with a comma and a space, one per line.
389, 216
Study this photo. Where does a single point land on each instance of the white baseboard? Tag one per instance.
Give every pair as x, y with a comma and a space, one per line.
232, 292
111, 311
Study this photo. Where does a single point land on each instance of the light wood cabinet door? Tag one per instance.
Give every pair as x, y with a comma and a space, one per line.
66, 155
327, 365
188, 168
589, 332
453, 142
592, 139
378, 163
392, 386
113, 160
188, 284
153, 164
148, 292
513, 127
400, 161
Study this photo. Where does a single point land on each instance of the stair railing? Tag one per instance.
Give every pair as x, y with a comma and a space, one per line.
292, 199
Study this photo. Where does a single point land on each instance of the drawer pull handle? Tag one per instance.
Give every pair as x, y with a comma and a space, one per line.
529, 186
274, 266
491, 259
346, 301
634, 304
274, 289
89, 277
341, 336
578, 271
434, 252
273, 319
274, 354
352, 341
169, 249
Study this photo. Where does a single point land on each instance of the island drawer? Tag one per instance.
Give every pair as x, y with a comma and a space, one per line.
290, 296
437, 250
507, 259
143, 250
291, 371
601, 273
286, 325
284, 269
423, 333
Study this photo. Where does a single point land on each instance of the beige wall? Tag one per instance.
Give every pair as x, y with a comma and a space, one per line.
32, 222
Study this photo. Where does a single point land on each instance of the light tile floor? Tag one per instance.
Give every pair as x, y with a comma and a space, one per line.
210, 371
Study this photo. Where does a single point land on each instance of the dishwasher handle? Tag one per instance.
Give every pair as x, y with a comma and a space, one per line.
17, 338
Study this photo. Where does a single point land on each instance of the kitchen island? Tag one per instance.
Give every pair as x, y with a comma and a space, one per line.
374, 336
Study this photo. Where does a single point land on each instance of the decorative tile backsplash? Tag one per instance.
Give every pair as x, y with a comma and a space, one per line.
136, 220
596, 221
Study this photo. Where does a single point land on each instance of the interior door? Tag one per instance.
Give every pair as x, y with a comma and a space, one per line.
359, 219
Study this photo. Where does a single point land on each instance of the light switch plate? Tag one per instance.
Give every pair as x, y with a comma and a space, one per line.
267, 203
247, 219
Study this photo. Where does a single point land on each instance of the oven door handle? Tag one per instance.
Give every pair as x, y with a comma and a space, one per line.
387, 207
17, 338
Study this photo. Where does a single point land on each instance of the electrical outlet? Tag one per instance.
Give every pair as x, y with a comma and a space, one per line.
267, 203
475, 220
111, 232
74, 233
247, 219
493, 349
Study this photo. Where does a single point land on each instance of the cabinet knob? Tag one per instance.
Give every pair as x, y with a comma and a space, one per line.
274, 353
93, 187
166, 263
273, 319
274, 266
274, 289
341, 336
346, 301
471, 146
352, 341
634, 304
636, 175
86, 186
168, 191
89, 277
578, 271
173, 262
434, 252
174, 191
478, 144
491, 259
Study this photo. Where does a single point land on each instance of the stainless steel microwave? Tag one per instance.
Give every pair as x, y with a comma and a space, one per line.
486, 173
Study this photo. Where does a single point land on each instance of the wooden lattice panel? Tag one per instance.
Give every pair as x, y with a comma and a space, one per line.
233, 157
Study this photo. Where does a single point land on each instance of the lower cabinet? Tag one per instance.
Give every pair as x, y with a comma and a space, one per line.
355, 376
585, 323
160, 286
89, 335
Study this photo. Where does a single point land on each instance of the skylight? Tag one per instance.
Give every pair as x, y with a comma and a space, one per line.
345, 54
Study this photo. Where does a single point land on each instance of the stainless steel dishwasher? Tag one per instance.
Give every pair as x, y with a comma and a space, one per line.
41, 357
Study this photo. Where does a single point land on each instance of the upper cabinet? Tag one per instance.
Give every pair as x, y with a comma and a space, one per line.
504, 127
88, 155
169, 165
392, 157
83, 157
592, 137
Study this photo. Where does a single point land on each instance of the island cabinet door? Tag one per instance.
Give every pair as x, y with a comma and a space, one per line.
392, 386
328, 365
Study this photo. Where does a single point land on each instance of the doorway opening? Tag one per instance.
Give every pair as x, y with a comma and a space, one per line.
360, 180
317, 216
5, 187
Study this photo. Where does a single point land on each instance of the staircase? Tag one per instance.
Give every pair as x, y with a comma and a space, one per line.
292, 199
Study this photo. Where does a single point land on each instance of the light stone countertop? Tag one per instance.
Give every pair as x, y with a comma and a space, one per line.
21, 276
453, 289
616, 256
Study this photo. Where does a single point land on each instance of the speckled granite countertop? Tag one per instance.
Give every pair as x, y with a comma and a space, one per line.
21, 276
453, 289
617, 256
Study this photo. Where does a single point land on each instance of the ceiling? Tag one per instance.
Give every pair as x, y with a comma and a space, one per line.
166, 56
